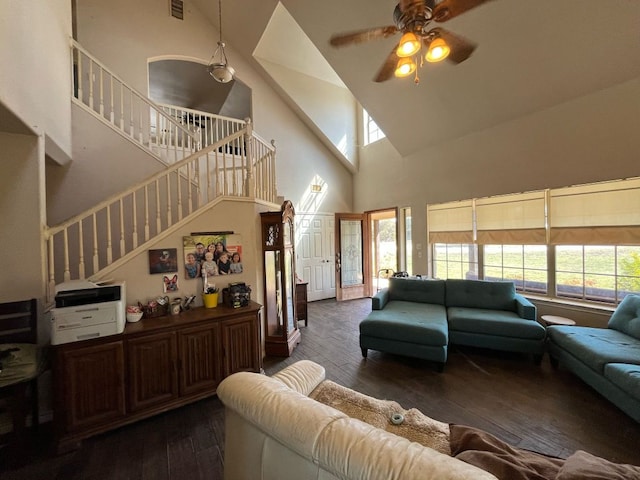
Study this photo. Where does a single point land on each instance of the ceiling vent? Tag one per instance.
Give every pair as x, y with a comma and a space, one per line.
177, 9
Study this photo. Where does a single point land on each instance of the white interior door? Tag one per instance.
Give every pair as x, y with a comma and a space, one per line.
315, 252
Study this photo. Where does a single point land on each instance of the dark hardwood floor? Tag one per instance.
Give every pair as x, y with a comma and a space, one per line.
533, 407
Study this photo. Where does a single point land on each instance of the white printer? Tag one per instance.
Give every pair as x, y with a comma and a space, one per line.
86, 310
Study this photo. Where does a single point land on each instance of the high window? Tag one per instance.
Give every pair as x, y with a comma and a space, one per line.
580, 242
372, 132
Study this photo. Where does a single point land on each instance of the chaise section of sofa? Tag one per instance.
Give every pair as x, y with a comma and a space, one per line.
607, 359
408, 318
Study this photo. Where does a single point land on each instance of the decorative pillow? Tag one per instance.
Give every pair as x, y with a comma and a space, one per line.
416, 427
584, 466
626, 318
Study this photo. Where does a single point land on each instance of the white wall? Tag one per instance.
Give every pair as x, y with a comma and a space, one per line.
107, 29
35, 78
21, 255
592, 138
229, 215
330, 109
104, 163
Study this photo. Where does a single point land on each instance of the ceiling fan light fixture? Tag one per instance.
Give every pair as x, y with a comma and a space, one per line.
409, 45
438, 51
405, 67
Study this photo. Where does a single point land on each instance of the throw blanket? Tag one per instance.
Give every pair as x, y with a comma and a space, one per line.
485, 451
468, 444
416, 427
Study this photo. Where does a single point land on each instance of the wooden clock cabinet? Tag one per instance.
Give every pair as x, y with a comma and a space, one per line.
280, 322
156, 365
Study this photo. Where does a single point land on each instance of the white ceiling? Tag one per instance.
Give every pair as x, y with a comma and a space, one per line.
531, 56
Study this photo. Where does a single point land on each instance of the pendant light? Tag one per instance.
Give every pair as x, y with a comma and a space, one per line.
219, 69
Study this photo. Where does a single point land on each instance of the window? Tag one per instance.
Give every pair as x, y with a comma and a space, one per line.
372, 132
455, 261
408, 245
580, 242
597, 273
384, 245
525, 265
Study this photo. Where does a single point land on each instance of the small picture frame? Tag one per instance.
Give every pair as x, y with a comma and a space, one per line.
163, 260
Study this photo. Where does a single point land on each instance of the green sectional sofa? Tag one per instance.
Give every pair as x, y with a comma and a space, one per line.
608, 359
421, 317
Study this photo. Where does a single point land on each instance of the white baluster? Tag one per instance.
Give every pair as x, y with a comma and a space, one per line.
109, 242
122, 243
146, 213
158, 219
96, 260
65, 239
81, 270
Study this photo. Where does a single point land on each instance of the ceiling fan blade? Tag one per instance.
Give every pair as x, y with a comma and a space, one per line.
362, 36
388, 67
447, 9
461, 48
414, 6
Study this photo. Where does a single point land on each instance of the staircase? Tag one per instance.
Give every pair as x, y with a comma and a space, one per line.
207, 158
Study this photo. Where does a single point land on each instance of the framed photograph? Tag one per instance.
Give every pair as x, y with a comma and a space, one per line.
215, 254
163, 260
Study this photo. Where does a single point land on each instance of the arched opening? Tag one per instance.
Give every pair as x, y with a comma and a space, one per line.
187, 84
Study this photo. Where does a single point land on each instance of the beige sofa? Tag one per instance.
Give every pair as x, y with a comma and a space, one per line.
274, 431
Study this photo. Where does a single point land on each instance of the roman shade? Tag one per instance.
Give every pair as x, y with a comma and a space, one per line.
517, 219
597, 214
450, 222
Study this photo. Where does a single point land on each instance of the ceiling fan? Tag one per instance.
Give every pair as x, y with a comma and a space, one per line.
413, 19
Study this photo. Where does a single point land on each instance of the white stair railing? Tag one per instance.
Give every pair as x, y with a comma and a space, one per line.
126, 110
207, 128
241, 165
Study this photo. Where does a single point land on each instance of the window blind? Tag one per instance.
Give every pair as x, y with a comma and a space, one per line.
605, 213
516, 219
450, 222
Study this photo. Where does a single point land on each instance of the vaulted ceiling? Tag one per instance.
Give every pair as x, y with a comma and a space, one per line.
531, 56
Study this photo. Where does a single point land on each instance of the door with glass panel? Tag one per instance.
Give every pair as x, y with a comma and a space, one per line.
353, 276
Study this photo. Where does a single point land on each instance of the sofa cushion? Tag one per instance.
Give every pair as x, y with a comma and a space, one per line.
416, 290
626, 318
480, 294
625, 376
411, 322
596, 347
498, 323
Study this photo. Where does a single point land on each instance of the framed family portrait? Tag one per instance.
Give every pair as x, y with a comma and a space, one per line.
215, 254
163, 260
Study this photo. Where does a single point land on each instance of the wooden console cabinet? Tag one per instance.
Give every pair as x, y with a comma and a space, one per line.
156, 365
